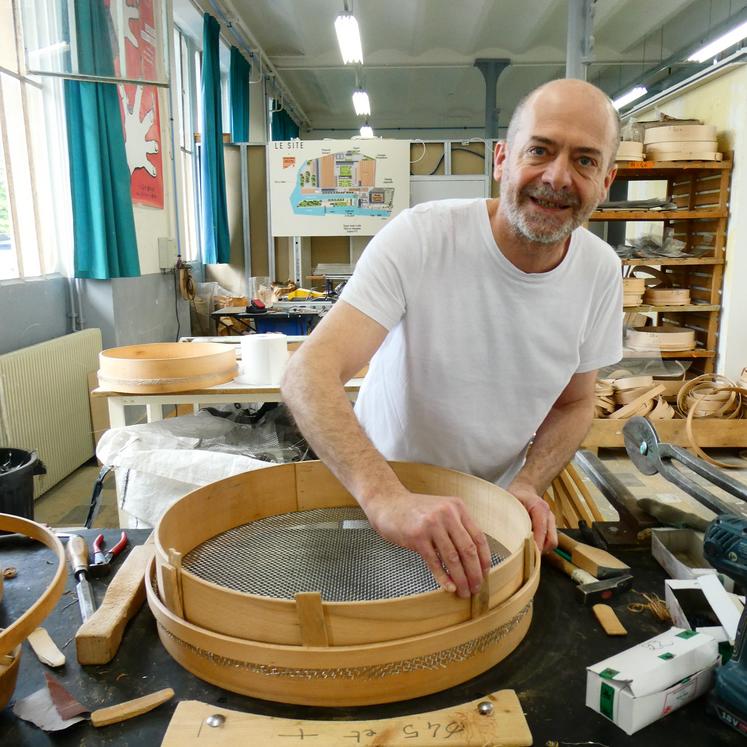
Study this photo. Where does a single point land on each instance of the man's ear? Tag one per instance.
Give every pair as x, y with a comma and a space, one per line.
608, 179
499, 157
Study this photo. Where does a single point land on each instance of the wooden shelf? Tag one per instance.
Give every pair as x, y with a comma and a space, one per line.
628, 354
708, 432
664, 169
653, 215
666, 261
686, 307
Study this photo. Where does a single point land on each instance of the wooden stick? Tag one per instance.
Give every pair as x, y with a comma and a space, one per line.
45, 648
130, 708
608, 620
579, 483
578, 504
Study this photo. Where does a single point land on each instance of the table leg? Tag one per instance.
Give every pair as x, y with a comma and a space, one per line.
116, 412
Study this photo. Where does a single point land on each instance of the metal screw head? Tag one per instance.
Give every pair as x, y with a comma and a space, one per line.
217, 719
485, 708
733, 556
643, 448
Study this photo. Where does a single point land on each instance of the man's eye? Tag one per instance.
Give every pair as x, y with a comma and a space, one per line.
537, 150
585, 161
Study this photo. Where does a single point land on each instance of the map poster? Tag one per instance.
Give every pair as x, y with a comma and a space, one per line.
337, 187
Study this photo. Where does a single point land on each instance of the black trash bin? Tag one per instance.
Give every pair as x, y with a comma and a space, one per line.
17, 470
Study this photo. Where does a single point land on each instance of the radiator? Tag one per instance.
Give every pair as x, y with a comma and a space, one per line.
44, 405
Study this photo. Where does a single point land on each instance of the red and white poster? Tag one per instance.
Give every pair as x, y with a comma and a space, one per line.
137, 38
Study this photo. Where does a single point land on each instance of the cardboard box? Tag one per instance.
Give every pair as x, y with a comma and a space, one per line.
702, 604
680, 553
640, 685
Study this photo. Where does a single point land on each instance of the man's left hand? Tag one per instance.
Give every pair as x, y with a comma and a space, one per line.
543, 520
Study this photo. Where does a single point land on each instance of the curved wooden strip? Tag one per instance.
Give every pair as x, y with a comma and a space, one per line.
18, 631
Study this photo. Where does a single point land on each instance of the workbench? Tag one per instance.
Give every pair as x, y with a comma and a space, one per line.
289, 322
547, 670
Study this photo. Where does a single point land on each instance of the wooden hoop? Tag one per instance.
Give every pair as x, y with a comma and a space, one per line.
160, 367
33, 617
208, 628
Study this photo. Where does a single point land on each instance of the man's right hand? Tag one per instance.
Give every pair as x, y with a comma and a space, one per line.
441, 530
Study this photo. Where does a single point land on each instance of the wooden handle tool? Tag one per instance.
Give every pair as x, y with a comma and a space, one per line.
598, 563
98, 639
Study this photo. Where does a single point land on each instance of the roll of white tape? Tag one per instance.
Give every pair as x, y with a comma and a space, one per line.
263, 359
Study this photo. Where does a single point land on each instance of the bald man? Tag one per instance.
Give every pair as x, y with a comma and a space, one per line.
485, 322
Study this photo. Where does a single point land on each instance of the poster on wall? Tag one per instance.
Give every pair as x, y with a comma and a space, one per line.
337, 187
136, 35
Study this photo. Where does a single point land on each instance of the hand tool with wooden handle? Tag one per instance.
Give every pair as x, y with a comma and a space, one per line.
590, 589
592, 559
98, 639
77, 551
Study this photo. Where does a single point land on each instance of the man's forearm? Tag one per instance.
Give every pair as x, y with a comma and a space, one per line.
317, 400
556, 442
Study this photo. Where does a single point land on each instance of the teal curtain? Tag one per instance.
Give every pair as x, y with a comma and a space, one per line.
282, 126
238, 89
105, 245
216, 247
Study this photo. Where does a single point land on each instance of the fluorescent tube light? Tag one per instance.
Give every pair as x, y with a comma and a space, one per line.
366, 131
729, 39
631, 95
361, 103
349, 38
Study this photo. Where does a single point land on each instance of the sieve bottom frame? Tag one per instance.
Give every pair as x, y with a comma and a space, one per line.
271, 672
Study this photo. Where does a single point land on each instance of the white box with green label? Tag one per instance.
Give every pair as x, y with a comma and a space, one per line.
640, 685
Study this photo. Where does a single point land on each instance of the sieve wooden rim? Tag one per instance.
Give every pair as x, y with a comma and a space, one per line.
240, 499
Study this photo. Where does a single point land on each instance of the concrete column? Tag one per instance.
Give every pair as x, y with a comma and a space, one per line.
491, 70
579, 41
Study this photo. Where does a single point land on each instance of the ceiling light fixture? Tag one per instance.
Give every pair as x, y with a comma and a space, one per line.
632, 95
729, 39
349, 38
361, 103
367, 131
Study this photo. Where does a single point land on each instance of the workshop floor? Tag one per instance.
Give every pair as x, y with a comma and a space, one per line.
67, 503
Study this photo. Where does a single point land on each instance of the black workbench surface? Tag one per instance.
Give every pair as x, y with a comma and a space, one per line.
547, 670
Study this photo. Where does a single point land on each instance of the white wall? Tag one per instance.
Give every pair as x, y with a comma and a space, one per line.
722, 101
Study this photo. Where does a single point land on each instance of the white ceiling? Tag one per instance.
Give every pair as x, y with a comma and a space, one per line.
419, 54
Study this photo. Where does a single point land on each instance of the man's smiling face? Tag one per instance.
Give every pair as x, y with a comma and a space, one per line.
555, 170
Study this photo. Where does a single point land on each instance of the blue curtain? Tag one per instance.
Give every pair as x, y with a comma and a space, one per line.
105, 245
215, 242
282, 127
238, 89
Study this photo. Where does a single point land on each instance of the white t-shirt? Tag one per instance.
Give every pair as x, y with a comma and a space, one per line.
477, 351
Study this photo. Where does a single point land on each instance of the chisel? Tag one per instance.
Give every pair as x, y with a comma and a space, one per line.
77, 551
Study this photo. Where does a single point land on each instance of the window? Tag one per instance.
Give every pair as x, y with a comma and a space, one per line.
35, 224
186, 63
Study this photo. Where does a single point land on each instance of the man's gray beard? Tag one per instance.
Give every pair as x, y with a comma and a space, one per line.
521, 225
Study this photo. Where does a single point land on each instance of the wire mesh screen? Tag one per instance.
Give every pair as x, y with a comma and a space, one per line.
330, 550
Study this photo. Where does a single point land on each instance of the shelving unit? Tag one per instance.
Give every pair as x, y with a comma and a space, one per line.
700, 189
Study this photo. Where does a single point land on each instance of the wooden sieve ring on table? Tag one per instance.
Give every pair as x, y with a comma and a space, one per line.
13, 636
306, 648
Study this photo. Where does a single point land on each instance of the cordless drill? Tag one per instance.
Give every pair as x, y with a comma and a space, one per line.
725, 548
